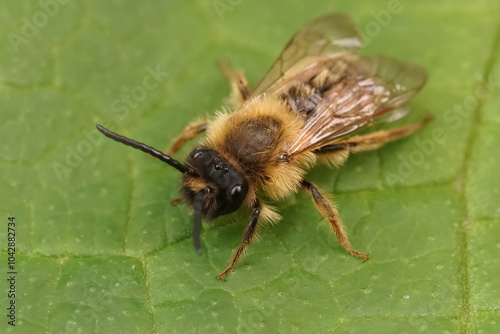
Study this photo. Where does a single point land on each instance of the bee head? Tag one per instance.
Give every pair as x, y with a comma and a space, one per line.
217, 188
221, 186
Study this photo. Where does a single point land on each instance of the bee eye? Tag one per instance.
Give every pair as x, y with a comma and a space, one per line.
236, 190
197, 155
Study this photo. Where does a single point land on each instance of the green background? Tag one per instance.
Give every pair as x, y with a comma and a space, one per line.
100, 248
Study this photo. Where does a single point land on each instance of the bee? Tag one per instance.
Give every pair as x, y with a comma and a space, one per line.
308, 108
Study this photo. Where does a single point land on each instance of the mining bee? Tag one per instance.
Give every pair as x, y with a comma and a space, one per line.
309, 107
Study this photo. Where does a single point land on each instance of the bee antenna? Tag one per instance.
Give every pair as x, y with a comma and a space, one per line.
198, 206
147, 149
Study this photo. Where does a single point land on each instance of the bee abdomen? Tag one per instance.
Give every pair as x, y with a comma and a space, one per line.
302, 99
305, 97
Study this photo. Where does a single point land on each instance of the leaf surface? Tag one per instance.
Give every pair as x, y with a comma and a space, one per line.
99, 247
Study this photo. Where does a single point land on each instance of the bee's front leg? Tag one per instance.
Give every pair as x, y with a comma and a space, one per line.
192, 130
329, 211
248, 235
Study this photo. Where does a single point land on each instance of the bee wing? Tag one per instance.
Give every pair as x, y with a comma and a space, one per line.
326, 35
373, 88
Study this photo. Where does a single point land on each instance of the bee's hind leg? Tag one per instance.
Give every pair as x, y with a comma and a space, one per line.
328, 210
192, 130
240, 90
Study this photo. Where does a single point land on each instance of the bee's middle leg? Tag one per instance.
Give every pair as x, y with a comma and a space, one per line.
329, 211
240, 90
249, 234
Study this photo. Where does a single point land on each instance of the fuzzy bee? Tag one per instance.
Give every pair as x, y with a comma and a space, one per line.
309, 107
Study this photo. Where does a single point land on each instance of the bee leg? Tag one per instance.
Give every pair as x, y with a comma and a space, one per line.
192, 130
373, 140
176, 201
239, 85
248, 235
329, 211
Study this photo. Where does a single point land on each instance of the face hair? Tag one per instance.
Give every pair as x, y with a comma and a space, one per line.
147, 149
198, 207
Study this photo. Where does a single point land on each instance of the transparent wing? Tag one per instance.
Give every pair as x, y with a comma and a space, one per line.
327, 35
371, 87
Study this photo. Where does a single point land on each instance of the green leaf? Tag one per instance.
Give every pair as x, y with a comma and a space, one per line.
99, 247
